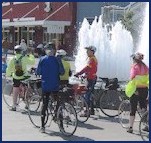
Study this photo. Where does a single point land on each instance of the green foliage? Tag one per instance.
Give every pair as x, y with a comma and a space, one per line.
127, 20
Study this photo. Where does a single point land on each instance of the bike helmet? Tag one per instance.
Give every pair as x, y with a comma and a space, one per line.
61, 52
138, 56
40, 46
18, 48
50, 46
92, 48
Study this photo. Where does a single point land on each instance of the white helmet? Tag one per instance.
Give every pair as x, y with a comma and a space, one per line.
61, 52
18, 47
40, 46
92, 48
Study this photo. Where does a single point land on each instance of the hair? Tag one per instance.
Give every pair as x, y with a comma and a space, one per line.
139, 62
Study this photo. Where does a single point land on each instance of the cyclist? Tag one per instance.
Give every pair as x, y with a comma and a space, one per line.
4, 64
64, 79
138, 69
24, 46
49, 68
17, 68
5, 46
90, 70
40, 50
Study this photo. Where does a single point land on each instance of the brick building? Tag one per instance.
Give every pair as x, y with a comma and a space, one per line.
40, 22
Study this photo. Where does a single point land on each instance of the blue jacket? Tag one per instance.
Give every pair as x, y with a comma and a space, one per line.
50, 68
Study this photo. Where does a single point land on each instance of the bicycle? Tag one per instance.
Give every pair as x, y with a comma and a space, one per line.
108, 95
144, 126
75, 95
124, 113
60, 111
27, 90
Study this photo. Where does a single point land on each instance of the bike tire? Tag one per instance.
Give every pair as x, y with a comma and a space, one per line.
7, 94
144, 122
124, 113
67, 117
81, 108
110, 101
35, 115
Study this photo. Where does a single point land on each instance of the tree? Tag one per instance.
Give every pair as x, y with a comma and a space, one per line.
127, 20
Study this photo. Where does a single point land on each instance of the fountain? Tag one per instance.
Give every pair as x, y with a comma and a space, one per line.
113, 54
144, 41
114, 48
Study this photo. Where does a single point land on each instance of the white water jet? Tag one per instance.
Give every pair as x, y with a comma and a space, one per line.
144, 41
113, 54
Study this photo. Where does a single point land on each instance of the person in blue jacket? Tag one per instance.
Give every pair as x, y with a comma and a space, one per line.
50, 68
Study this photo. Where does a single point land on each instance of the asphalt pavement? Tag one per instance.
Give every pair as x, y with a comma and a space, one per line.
16, 126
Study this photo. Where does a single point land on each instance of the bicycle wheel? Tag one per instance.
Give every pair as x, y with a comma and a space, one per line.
110, 101
34, 113
34, 103
124, 113
7, 93
67, 119
81, 108
144, 126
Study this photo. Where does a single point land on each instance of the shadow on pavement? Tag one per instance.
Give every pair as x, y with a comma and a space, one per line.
111, 119
70, 138
89, 126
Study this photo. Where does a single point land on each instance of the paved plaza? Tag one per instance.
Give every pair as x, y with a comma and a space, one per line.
16, 126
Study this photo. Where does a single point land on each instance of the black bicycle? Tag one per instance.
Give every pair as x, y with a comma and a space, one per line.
60, 111
107, 95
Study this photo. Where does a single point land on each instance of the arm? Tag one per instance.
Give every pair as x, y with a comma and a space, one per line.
61, 68
38, 70
133, 72
84, 70
87, 68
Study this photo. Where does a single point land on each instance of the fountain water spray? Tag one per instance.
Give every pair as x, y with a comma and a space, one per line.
144, 41
113, 53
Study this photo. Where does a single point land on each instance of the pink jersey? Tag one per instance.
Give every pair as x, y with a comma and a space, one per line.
138, 69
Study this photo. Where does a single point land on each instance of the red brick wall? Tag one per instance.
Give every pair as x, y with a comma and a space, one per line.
19, 10
67, 13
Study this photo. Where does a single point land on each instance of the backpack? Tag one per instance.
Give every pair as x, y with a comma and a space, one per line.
18, 66
112, 84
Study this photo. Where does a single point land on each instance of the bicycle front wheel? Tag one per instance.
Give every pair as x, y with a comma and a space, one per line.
67, 119
81, 108
34, 113
110, 101
124, 113
144, 126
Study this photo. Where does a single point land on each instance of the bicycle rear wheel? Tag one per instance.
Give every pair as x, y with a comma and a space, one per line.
81, 108
144, 126
110, 101
67, 119
124, 113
